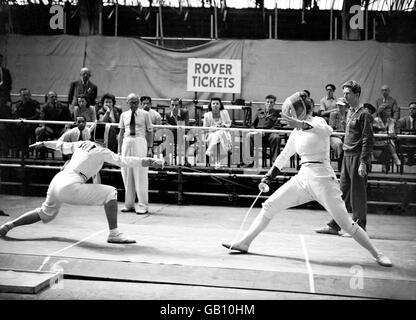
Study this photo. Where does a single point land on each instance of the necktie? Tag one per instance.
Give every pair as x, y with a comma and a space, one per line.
132, 125
80, 136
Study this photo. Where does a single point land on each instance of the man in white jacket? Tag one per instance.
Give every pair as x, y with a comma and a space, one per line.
69, 185
316, 179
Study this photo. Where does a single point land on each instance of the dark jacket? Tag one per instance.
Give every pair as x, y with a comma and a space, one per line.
78, 87
6, 86
359, 137
267, 120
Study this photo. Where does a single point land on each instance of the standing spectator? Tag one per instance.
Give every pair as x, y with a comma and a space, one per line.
135, 139
5, 85
328, 103
267, 118
83, 86
358, 147
109, 112
386, 98
52, 110
409, 123
217, 117
5, 109
385, 124
338, 120
28, 109
146, 104
83, 109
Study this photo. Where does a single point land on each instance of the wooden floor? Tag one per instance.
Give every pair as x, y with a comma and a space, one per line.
178, 255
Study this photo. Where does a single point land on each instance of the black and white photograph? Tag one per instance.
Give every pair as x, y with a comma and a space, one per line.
207, 158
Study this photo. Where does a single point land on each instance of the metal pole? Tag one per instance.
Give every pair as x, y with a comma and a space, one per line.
212, 26
366, 23
100, 20
336, 28
116, 21
374, 28
270, 27
275, 20
330, 22
161, 23
65, 20
157, 28
215, 21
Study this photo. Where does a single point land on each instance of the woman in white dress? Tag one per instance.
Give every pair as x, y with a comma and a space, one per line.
217, 117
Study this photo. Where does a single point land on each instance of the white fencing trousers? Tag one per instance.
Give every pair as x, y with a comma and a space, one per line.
69, 187
313, 182
135, 179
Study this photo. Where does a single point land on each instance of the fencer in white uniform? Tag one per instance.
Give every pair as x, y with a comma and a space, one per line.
69, 185
316, 179
135, 140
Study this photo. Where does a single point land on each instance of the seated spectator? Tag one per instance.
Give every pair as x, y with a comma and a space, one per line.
384, 123
52, 110
6, 129
177, 115
217, 117
409, 123
109, 112
370, 108
146, 104
83, 86
337, 120
387, 99
267, 118
314, 112
328, 103
83, 109
79, 133
29, 109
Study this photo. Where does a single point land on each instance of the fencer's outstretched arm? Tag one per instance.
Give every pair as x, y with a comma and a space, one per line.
127, 161
63, 147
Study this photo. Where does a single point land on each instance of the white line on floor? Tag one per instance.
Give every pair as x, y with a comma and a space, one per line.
68, 247
308, 265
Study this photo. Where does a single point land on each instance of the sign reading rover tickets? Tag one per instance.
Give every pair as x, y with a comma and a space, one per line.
214, 75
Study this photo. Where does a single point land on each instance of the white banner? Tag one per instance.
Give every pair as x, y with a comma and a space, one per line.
214, 75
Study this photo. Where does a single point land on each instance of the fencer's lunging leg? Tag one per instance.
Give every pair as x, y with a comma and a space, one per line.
258, 225
26, 218
111, 213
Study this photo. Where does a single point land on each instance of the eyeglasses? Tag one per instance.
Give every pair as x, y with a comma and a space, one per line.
80, 121
133, 102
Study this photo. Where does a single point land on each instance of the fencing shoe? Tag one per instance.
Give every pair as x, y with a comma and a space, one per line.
119, 238
383, 260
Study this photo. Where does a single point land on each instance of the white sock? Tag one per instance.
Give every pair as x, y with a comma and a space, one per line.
114, 232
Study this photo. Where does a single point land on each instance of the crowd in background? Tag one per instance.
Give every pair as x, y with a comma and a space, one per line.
83, 105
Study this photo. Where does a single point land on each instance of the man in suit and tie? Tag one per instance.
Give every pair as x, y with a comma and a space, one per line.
82, 86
